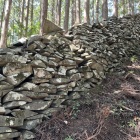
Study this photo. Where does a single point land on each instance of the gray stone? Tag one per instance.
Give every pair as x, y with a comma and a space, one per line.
38, 64
37, 105
59, 81
34, 95
23, 113
13, 104
28, 135
2, 77
8, 136
30, 124
62, 70
16, 79
15, 96
10, 121
68, 62
2, 110
50, 111
76, 77
16, 68
7, 130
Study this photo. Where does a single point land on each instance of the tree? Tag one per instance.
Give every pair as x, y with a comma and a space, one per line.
115, 4
5, 24
2, 14
78, 16
86, 12
66, 20
27, 16
105, 10
44, 9
73, 12
97, 11
58, 19
93, 11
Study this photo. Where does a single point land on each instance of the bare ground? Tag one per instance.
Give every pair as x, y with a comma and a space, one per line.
110, 112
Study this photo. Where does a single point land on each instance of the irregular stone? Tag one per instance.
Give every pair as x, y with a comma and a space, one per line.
58, 102
2, 77
30, 124
40, 44
16, 68
36, 80
37, 105
23, 113
88, 75
34, 95
7, 130
50, 111
38, 64
68, 62
28, 135
75, 77
29, 87
2, 110
15, 96
16, 79
59, 81
40, 57
62, 70
74, 95
54, 97
4, 59
13, 104
5, 86
39, 116
10, 121
42, 73
7, 136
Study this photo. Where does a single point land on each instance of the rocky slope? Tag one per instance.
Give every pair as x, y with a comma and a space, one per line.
42, 75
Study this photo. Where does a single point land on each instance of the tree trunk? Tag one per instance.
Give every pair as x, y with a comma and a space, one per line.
97, 11
32, 13
5, 24
123, 4
86, 12
105, 10
59, 12
73, 12
44, 9
66, 20
27, 16
77, 4
115, 12
93, 11
2, 14
53, 11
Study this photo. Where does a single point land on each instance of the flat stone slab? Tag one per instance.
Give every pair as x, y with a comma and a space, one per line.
37, 105
7, 130
23, 113
15, 96
7, 136
59, 81
16, 79
10, 121
28, 135
2, 110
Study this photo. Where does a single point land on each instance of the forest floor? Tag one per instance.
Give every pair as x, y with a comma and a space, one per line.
110, 112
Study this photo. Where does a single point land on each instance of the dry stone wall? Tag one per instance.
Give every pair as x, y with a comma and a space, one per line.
49, 71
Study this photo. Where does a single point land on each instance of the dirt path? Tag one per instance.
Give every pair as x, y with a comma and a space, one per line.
111, 112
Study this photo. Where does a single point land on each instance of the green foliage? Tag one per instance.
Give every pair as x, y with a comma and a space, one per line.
134, 59
69, 138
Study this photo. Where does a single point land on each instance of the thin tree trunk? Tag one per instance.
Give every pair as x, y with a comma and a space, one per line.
73, 12
5, 24
44, 9
66, 20
97, 11
123, 4
115, 12
105, 10
59, 12
52, 11
86, 12
77, 4
32, 13
27, 16
93, 1
2, 14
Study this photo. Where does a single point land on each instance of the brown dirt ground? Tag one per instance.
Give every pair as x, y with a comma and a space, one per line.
110, 112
